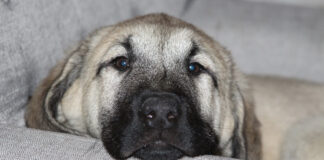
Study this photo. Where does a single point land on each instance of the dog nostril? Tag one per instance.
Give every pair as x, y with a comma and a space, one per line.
150, 115
171, 116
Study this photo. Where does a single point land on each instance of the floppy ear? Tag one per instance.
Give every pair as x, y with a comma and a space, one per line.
42, 109
246, 139
251, 127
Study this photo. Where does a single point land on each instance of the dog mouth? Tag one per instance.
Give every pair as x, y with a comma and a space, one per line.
157, 145
158, 149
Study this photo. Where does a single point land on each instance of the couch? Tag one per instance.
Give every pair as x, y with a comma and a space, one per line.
264, 37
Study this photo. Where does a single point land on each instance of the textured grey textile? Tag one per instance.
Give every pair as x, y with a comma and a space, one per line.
21, 143
34, 35
264, 38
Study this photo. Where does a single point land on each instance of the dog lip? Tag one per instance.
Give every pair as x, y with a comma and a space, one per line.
160, 143
157, 144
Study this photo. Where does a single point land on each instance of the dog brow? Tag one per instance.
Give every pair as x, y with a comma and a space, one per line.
194, 49
129, 49
128, 46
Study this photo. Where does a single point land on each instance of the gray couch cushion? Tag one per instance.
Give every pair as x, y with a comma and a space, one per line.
264, 38
35, 34
21, 143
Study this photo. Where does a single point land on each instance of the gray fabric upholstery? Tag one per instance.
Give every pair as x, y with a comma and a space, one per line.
34, 36
264, 38
21, 143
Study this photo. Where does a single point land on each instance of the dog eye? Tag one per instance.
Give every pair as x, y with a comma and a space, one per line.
195, 68
121, 63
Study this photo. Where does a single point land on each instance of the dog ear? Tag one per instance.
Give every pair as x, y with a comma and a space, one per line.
251, 127
246, 140
246, 137
42, 110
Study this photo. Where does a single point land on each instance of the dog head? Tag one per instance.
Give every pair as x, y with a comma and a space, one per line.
152, 87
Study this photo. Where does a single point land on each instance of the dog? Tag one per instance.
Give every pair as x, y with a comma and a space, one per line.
153, 87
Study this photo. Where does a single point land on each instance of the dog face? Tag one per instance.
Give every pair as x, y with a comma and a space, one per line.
153, 87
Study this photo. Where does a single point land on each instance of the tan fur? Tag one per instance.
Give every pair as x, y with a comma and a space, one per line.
282, 105
234, 100
35, 114
252, 128
304, 140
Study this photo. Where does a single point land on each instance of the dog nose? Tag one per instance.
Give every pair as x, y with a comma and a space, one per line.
161, 112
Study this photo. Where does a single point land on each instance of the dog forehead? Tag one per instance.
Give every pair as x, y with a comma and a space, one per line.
178, 45
162, 44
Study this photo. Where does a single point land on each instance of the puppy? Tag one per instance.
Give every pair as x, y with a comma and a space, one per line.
153, 87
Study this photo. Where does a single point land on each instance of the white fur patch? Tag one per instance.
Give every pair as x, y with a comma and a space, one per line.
206, 96
96, 102
146, 43
69, 110
177, 47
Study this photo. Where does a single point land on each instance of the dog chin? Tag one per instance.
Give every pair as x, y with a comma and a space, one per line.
158, 150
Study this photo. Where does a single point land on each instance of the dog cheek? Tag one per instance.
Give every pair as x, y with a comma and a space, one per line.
91, 109
70, 108
100, 97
